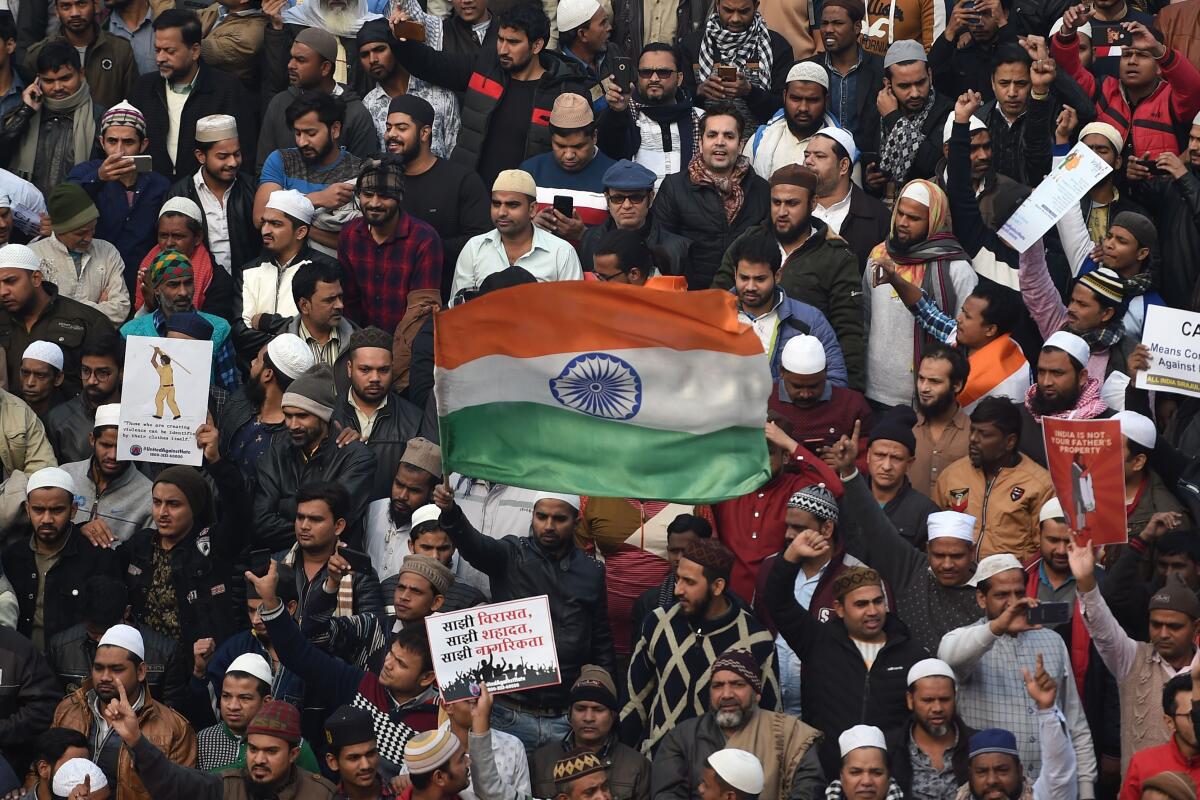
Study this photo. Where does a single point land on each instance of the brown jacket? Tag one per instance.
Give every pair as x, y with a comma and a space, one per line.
235, 45
164, 728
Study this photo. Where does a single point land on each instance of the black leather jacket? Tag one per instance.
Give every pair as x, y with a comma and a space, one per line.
395, 424
71, 652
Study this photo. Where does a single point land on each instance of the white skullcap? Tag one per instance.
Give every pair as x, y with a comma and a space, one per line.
976, 125
426, 513
1137, 428
252, 664
126, 637
106, 415
842, 137
290, 355
570, 499
917, 192
292, 203
51, 478
215, 128
861, 736
1051, 509
72, 774
741, 770
1074, 345
573, 13
182, 205
1107, 131
952, 524
1195, 121
18, 256
810, 72
46, 352
930, 668
803, 355
1085, 29
993, 565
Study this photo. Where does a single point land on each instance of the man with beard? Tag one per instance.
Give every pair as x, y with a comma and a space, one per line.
56, 559
389, 519
855, 76
112, 498
784, 138
181, 227
69, 426
318, 167
183, 90
996, 483
108, 62
817, 267
390, 259
781, 742
584, 27
1063, 390
820, 412
223, 192
310, 68
343, 19
927, 756
319, 320
41, 377
448, 196
656, 125
857, 217
55, 125
942, 427
132, 20
963, 57
922, 246
995, 768
119, 677
678, 645
383, 419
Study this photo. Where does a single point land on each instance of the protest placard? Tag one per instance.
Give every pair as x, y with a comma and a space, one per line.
1087, 467
164, 399
1173, 338
509, 646
1054, 196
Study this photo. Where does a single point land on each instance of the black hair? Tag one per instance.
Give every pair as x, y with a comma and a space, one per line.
960, 368
428, 526
1137, 449
8, 26
724, 108
1002, 413
282, 379
887, 71
660, 47
105, 345
529, 18
1171, 689
1075, 363
204, 147
1003, 305
414, 640
261, 687
333, 494
757, 248
187, 22
690, 522
839, 152
1010, 53
56, 55
329, 109
630, 248
52, 743
1179, 543
586, 130
304, 282
103, 600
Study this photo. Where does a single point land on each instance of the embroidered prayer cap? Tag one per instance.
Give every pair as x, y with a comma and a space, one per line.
738, 768
313, 392
169, 265
896, 425
951, 524
803, 355
816, 500
321, 42
1139, 225
1176, 595
277, 718
795, 175
107, 416
18, 256
855, 578
861, 736
1051, 510
576, 764
72, 774
711, 554
51, 478
573, 13
903, 51
292, 203
191, 324
929, 668
438, 574
423, 454
1110, 133
252, 664
1175, 785
45, 352
349, 726
975, 122
515, 180
418, 108
430, 750
628, 176
70, 208
370, 336
426, 513
842, 137
126, 637
1084, 30
1073, 345
742, 662
126, 115
1106, 283
993, 740
184, 206
994, 565
1137, 428
809, 72
571, 111
595, 685
216, 128
570, 499
290, 355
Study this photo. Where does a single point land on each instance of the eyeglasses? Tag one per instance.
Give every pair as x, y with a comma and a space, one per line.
637, 198
659, 72
606, 278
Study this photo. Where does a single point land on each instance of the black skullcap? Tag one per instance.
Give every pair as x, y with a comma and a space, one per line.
416, 107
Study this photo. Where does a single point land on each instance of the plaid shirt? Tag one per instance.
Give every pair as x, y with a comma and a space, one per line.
934, 321
410, 259
224, 360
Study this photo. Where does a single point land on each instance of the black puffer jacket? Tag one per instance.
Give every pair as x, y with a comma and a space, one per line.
28, 696
1177, 201
72, 651
395, 423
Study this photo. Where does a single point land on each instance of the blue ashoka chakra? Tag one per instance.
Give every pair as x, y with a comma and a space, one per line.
599, 385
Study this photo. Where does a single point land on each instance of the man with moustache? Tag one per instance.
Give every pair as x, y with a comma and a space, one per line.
855, 76
851, 213
69, 425
942, 426
108, 62
389, 519
783, 139
1063, 389
927, 756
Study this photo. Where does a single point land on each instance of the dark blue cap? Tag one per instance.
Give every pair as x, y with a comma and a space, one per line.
190, 323
627, 176
993, 740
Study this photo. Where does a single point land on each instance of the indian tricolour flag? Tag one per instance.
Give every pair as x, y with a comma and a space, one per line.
605, 390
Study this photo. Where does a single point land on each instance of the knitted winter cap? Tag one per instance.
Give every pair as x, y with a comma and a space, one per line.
70, 208
438, 574
168, 266
742, 662
816, 500
897, 426
313, 392
277, 718
1139, 225
595, 685
189, 481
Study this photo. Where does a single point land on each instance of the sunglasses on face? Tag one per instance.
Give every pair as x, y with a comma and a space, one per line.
637, 198
656, 72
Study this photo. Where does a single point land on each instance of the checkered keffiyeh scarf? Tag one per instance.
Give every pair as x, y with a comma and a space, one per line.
167, 266
834, 791
737, 49
900, 145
